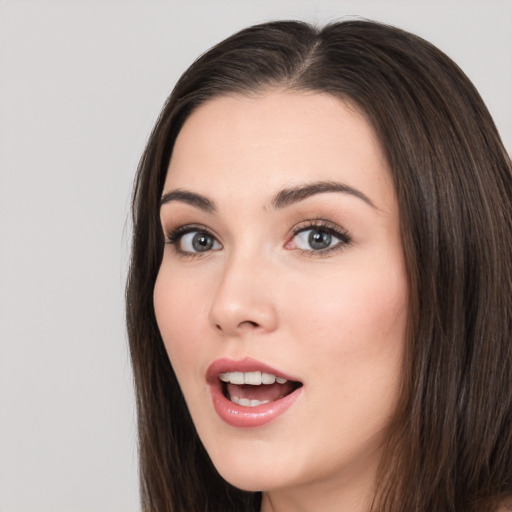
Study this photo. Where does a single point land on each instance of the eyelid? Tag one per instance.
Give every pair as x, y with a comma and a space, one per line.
174, 236
320, 223
342, 234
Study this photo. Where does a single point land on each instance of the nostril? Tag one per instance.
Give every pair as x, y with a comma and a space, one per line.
248, 323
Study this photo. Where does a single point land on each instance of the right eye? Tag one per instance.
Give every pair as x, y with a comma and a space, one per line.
193, 241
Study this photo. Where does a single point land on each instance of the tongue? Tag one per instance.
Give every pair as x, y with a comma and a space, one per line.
265, 392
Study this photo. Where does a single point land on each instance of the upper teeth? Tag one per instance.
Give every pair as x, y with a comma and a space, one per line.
253, 378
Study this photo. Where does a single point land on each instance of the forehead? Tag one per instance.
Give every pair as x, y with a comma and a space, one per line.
274, 140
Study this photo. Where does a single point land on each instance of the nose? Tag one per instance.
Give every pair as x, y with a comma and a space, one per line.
244, 300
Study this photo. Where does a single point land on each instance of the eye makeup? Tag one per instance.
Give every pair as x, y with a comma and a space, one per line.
317, 238
324, 238
201, 242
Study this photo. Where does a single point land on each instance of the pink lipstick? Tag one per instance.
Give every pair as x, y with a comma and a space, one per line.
247, 393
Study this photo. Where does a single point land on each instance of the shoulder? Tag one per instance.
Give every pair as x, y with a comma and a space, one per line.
506, 506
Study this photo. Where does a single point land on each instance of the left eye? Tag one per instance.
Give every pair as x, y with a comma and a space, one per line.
315, 239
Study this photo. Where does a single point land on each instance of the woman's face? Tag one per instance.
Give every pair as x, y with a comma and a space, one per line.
284, 260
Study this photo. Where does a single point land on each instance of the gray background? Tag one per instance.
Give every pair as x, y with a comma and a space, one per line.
81, 83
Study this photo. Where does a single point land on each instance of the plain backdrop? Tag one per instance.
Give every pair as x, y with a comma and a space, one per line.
81, 84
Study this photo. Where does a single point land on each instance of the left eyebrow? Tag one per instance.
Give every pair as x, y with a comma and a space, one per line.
292, 195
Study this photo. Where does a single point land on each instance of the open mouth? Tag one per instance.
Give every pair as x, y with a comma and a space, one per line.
251, 389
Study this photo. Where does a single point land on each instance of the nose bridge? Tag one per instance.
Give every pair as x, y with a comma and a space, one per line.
244, 299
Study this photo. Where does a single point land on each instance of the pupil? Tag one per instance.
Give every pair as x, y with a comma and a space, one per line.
202, 242
319, 239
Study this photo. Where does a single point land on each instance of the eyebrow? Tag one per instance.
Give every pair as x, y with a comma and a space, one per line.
282, 199
292, 195
191, 198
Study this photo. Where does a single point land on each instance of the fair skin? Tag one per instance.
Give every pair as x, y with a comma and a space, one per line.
311, 283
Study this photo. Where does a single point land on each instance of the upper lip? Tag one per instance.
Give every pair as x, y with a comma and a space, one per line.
247, 364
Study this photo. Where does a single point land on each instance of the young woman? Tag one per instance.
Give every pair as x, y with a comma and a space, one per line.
320, 295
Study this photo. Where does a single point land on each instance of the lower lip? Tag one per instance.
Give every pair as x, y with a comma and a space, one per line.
250, 417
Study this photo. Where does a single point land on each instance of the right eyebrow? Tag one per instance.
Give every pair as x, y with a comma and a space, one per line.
191, 198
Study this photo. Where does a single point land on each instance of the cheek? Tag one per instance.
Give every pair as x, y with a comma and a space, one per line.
178, 305
356, 319
354, 302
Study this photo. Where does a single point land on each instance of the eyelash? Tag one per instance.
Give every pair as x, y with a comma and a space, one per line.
325, 226
175, 236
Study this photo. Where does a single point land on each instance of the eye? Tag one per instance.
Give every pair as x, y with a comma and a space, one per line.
318, 239
314, 239
198, 241
190, 240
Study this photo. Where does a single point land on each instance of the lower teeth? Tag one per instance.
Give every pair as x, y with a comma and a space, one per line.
245, 402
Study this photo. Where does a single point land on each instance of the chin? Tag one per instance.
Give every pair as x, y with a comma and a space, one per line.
256, 471
248, 474
250, 481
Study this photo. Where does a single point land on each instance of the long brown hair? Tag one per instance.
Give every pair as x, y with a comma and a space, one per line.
449, 445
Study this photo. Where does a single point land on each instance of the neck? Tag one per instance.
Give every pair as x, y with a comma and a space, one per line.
354, 494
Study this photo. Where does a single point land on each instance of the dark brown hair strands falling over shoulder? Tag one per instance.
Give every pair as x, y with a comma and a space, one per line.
449, 447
